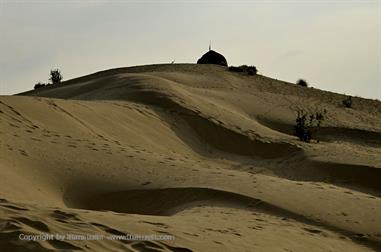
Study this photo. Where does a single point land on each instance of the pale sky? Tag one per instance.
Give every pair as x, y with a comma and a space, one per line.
334, 45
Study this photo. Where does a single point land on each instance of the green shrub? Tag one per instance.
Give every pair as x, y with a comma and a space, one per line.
39, 85
348, 102
307, 124
250, 70
302, 83
55, 76
235, 69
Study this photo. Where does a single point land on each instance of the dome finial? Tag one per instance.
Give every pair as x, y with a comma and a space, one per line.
210, 45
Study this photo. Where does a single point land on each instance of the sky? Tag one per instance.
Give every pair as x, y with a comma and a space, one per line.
333, 44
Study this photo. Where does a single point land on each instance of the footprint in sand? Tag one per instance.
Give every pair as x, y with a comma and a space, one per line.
186, 233
23, 152
313, 231
256, 227
13, 125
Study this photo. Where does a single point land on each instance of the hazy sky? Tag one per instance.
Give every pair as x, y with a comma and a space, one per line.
334, 45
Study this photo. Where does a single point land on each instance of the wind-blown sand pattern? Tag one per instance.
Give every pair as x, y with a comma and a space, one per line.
193, 151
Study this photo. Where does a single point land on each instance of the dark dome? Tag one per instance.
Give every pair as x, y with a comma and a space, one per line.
212, 57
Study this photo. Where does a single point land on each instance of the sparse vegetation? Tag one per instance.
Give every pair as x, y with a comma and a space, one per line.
302, 83
307, 124
55, 76
348, 102
250, 70
39, 85
235, 69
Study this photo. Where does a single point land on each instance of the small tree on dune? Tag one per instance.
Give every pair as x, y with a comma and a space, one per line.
39, 85
55, 76
348, 102
302, 83
307, 124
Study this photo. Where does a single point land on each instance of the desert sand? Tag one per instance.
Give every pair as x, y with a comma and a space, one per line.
195, 152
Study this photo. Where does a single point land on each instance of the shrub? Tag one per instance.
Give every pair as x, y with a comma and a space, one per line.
348, 102
307, 124
55, 76
302, 83
39, 85
250, 70
235, 69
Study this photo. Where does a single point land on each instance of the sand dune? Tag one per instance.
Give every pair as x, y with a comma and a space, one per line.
192, 151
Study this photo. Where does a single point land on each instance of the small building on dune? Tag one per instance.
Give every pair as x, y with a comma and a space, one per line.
212, 57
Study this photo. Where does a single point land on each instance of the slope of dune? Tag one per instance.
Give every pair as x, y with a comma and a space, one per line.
194, 152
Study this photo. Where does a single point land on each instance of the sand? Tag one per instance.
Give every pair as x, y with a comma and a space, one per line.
193, 152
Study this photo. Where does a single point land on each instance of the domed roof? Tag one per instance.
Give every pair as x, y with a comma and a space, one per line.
212, 57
